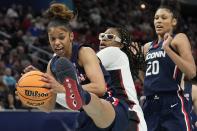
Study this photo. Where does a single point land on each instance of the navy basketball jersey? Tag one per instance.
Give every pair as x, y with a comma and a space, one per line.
80, 70
162, 75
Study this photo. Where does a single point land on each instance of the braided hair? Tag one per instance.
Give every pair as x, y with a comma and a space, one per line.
136, 60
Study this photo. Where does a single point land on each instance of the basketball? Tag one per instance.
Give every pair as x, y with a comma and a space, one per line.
30, 90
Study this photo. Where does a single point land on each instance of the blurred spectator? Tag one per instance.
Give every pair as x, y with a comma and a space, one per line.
2, 68
35, 29
8, 79
26, 23
10, 82
11, 12
2, 51
3, 95
17, 38
28, 38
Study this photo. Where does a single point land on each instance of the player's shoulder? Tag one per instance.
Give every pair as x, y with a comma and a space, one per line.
180, 35
110, 53
110, 49
180, 38
84, 49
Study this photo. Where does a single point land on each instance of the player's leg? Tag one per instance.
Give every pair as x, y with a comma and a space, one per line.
175, 115
151, 109
133, 122
101, 111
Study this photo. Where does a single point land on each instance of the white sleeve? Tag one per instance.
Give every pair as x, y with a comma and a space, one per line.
108, 56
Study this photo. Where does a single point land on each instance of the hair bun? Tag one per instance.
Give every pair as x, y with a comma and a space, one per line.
60, 11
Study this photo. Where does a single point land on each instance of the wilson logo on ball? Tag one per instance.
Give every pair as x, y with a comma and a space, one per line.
35, 93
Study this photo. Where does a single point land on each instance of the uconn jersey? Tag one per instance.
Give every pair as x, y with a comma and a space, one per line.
80, 73
164, 107
162, 74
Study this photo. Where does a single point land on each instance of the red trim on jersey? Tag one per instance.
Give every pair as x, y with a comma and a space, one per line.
186, 117
155, 44
115, 101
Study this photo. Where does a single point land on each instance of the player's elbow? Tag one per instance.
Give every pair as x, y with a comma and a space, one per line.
102, 91
192, 74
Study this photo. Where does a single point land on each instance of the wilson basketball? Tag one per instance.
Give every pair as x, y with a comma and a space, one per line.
30, 90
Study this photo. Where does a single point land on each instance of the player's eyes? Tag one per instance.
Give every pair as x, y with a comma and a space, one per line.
51, 38
164, 17
156, 17
62, 37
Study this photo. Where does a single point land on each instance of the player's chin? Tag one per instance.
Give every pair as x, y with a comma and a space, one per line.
60, 54
102, 47
160, 33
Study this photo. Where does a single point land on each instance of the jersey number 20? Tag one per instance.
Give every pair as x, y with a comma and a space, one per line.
153, 68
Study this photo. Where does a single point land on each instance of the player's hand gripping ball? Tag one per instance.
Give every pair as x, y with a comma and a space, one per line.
30, 89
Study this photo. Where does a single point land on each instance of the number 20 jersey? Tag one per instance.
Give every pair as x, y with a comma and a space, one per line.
162, 75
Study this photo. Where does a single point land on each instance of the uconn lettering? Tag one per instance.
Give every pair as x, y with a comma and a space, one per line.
153, 55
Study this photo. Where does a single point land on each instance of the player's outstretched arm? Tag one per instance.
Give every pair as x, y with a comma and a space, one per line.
50, 105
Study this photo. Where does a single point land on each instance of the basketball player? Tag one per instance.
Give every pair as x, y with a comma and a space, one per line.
76, 72
167, 58
117, 60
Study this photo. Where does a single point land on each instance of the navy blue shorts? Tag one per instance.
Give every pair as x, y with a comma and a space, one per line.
120, 123
166, 112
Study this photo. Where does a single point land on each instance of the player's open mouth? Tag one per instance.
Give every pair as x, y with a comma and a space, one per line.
159, 27
59, 50
102, 46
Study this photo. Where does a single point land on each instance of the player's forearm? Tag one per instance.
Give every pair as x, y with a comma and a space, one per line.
94, 88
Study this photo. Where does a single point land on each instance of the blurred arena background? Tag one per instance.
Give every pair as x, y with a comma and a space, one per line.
23, 41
